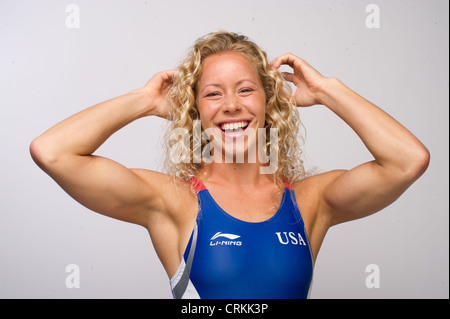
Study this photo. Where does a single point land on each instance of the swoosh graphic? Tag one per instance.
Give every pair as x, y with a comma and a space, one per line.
229, 236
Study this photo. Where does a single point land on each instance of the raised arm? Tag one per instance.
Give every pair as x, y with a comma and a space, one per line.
102, 185
399, 157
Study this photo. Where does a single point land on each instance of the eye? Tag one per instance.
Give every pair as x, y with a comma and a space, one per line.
213, 94
246, 90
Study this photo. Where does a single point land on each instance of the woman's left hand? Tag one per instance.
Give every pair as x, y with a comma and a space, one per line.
309, 82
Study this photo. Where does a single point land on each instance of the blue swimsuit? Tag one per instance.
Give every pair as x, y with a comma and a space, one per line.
230, 258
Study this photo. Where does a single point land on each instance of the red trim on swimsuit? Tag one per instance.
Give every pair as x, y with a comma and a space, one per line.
197, 184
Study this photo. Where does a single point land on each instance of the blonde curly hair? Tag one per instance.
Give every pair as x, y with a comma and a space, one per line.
282, 112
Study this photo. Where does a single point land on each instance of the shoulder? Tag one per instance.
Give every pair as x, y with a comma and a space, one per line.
160, 180
309, 193
315, 185
173, 194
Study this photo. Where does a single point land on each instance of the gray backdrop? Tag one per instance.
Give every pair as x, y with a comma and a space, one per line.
53, 65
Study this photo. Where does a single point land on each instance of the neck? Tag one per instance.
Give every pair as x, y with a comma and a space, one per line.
229, 169
235, 174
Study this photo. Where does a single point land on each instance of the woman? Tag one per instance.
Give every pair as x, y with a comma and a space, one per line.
222, 228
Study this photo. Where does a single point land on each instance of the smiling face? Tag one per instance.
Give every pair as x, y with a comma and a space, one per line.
190, 103
230, 96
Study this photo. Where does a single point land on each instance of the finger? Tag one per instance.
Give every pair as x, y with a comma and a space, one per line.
276, 62
287, 58
288, 76
168, 75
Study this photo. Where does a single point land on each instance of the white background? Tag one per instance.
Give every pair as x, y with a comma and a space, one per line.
49, 72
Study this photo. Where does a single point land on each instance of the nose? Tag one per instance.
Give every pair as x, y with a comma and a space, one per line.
231, 104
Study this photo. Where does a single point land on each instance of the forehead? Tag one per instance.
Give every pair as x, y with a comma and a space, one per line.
227, 65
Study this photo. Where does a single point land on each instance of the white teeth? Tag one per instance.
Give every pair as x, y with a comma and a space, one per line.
233, 126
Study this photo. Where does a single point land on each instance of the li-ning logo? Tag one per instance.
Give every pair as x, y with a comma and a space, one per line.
231, 242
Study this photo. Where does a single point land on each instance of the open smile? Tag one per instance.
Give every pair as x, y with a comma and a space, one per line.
234, 128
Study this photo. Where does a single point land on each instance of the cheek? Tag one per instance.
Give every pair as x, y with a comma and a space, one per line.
206, 113
205, 123
259, 106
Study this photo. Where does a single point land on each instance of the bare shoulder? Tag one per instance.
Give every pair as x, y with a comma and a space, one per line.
313, 186
174, 195
160, 180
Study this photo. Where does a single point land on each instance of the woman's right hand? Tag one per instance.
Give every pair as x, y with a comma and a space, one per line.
156, 90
